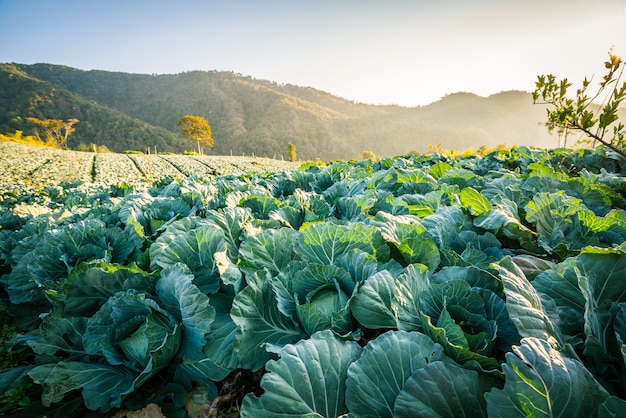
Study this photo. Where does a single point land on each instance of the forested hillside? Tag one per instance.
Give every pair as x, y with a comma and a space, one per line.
23, 96
132, 111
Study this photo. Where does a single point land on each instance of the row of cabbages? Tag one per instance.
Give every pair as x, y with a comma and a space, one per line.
42, 167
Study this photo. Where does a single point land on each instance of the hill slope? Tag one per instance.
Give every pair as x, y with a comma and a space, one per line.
133, 111
22, 96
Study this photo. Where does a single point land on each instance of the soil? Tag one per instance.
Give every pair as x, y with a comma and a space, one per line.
150, 411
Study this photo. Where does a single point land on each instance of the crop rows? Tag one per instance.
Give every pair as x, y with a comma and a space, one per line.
189, 166
421, 285
154, 167
22, 166
115, 168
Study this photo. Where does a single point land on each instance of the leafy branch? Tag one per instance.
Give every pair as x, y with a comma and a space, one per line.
581, 113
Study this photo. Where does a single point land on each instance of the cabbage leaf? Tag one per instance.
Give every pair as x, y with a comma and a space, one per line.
308, 379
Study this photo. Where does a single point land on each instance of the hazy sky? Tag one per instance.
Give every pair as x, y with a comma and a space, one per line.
382, 52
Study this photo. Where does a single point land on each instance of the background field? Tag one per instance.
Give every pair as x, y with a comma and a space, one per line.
23, 165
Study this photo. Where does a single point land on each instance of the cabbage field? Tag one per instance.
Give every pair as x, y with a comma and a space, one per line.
415, 286
26, 166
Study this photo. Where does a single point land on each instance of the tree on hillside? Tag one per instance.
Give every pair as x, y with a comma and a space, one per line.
55, 131
292, 152
582, 113
197, 129
368, 155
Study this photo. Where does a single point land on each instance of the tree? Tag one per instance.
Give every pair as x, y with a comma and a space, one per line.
197, 129
56, 131
368, 155
292, 153
582, 113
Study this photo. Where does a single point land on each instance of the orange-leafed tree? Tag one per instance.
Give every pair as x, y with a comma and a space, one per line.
56, 131
197, 129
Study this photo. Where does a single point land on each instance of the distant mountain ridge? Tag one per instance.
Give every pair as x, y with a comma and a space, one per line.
133, 111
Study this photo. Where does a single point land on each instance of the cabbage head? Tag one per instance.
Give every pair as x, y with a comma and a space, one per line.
322, 294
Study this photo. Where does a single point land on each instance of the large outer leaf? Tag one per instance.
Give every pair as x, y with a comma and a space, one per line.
103, 386
495, 309
323, 243
233, 222
503, 219
204, 372
524, 304
270, 249
460, 177
220, 356
613, 407
378, 376
384, 301
557, 223
309, 378
256, 312
541, 381
415, 181
406, 300
443, 390
564, 301
422, 205
439, 169
620, 329
59, 336
372, 303
89, 286
602, 284
412, 243
195, 248
444, 226
180, 297
475, 203
220, 346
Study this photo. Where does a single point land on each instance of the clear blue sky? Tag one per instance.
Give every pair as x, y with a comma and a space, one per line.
382, 52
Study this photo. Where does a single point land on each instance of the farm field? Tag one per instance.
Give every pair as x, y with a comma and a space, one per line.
22, 165
421, 285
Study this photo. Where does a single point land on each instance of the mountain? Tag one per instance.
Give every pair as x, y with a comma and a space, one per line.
22, 96
133, 111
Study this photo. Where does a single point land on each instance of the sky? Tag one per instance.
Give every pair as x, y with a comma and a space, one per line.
408, 53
